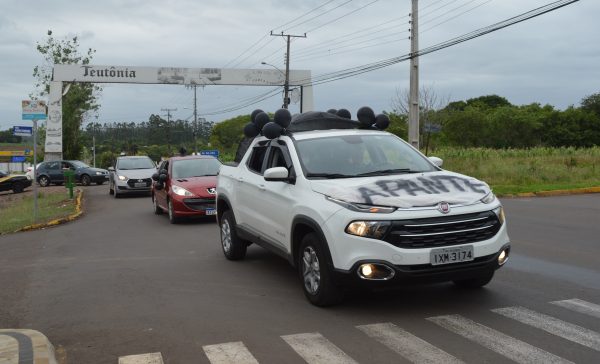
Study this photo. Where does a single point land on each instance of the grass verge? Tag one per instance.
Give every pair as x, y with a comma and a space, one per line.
515, 171
18, 214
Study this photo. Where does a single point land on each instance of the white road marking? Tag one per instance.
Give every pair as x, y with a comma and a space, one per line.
150, 358
514, 349
580, 306
314, 348
406, 344
557, 327
229, 353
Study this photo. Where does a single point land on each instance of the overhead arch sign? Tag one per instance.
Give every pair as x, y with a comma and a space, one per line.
159, 75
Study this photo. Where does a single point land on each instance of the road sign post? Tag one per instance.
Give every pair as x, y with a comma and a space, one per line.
34, 110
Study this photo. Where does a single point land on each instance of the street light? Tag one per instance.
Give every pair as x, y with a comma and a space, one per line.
286, 85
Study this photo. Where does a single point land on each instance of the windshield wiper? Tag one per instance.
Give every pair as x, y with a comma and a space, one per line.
384, 172
330, 175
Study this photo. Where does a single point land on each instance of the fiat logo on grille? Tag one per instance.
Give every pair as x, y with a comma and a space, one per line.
211, 190
443, 207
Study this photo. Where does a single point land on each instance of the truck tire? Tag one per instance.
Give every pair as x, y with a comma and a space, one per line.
317, 280
234, 248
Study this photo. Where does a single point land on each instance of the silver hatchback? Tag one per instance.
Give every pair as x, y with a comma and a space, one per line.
131, 174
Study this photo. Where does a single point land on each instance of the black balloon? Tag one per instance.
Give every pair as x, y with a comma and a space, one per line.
332, 111
343, 113
272, 130
254, 113
382, 121
283, 117
366, 116
250, 130
261, 119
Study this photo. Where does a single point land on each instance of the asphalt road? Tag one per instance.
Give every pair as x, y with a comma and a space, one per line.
123, 281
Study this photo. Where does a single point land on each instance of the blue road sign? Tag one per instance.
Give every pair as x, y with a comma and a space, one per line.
23, 130
17, 159
214, 153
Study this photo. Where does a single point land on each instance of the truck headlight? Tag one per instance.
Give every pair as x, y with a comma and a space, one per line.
122, 178
500, 214
368, 229
359, 207
180, 191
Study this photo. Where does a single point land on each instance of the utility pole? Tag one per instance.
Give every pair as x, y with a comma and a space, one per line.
286, 85
168, 127
413, 100
194, 134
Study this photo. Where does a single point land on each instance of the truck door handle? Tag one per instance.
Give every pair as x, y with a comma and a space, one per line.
261, 187
240, 179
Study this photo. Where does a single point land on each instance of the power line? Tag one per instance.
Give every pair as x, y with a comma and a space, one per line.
303, 15
343, 16
456, 16
350, 72
353, 50
320, 15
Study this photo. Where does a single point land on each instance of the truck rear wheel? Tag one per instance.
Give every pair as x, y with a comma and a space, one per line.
234, 248
317, 281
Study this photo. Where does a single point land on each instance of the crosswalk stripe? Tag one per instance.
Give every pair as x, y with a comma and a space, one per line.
149, 358
229, 353
314, 348
514, 349
557, 327
406, 344
580, 306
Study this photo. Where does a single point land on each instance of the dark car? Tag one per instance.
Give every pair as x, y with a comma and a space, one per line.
53, 172
186, 186
15, 183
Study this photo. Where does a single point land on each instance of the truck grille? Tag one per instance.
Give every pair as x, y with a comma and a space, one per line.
443, 231
199, 204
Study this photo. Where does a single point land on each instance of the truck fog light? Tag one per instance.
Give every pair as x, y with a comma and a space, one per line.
375, 272
366, 270
503, 257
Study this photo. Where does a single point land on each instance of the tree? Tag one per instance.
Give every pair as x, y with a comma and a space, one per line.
591, 103
227, 134
81, 100
490, 101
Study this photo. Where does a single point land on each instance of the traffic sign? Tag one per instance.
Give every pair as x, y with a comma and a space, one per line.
23, 131
34, 109
214, 153
19, 159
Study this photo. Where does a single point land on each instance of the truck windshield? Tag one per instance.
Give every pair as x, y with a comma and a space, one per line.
359, 155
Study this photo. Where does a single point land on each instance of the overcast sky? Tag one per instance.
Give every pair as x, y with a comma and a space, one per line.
553, 59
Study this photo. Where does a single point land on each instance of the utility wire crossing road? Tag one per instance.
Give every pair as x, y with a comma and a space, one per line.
314, 348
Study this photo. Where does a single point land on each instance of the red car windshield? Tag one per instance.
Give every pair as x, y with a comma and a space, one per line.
187, 168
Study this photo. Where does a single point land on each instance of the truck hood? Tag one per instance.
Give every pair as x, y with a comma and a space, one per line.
198, 185
406, 190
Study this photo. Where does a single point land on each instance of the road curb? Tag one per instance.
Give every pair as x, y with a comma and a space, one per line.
26, 346
576, 191
78, 212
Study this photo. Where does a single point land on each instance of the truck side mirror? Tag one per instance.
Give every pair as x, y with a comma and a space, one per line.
277, 174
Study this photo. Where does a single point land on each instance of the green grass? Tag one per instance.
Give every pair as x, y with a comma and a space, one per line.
18, 213
526, 170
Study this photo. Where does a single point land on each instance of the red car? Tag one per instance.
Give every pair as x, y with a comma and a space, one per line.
185, 186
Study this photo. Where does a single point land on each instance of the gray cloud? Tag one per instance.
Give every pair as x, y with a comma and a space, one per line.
551, 59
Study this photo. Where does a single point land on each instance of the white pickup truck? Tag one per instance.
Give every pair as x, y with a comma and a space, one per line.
356, 206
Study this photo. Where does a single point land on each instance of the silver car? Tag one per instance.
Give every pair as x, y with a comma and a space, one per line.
131, 174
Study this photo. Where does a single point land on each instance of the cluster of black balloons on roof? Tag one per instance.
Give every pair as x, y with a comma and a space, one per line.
260, 122
366, 118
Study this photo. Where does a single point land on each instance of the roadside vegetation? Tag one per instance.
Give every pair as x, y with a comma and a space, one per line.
16, 210
512, 171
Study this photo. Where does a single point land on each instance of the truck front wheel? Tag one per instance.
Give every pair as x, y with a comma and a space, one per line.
317, 280
234, 248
